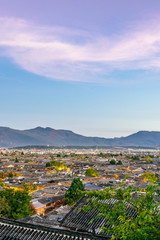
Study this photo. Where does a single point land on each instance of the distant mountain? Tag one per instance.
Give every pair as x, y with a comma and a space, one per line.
48, 136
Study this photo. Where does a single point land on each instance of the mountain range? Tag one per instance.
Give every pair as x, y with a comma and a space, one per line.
48, 136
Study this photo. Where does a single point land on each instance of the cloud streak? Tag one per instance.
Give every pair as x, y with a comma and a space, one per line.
65, 54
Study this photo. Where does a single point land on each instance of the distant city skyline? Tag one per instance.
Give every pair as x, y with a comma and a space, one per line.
89, 66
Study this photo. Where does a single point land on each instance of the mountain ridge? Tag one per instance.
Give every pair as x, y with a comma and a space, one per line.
59, 137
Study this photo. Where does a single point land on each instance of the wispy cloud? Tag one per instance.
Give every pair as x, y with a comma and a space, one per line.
60, 53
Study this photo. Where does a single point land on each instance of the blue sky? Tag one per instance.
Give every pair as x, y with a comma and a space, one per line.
89, 66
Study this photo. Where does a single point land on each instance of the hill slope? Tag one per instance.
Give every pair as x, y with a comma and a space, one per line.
48, 136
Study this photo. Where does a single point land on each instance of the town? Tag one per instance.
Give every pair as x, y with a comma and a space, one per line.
47, 173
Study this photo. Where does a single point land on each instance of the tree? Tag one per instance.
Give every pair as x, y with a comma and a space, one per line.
29, 187
101, 154
150, 177
4, 206
119, 162
148, 159
144, 225
74, 192
58, 165
91, 172
2, 184
18, 203
48, 164
11, 174
16, 160
113, 162
3, 175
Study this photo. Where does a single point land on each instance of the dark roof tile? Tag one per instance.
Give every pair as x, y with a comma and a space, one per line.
15, 230
79, 219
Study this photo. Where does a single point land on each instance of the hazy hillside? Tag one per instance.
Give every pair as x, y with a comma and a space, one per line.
48, 136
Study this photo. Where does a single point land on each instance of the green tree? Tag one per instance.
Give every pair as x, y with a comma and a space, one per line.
18, 202
16, 160
2, 184
143, 226
101, 154
48, 164
119, 162
4, 206
91, 172
74, 192
148, 159
112, 162
150, 177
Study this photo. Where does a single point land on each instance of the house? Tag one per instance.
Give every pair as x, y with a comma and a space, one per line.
46, 204
16, 230
38, 207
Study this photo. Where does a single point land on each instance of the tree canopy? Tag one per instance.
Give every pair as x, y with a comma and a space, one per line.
91, 172
14, 204
150, 177
58, 165
74, 192
148, 159
145, 226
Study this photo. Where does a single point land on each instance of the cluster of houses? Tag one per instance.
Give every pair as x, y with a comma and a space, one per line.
29, 167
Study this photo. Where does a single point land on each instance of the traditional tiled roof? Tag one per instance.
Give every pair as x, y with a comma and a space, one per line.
37, 205
82, 220
14, 230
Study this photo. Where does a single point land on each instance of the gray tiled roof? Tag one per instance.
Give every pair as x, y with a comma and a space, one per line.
14, 230
82, 220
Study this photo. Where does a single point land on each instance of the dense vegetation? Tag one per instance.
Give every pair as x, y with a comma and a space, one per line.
11, 174
74, 192
58, 165
91, 172
113, 162
14, 204
150, 177
123, 226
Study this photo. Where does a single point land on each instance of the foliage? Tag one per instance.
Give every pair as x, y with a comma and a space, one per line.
150, 177
113, 162
17, 204
28, 161
3, 175
16, 160
12, 174
148, 159
91, 172
29, 187
145, 224
4, 206
135, 157
119, 162
74, 192
58, 165
101, 155
2, 184
48, 164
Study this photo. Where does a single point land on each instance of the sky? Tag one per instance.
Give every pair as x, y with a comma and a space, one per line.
90, 66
